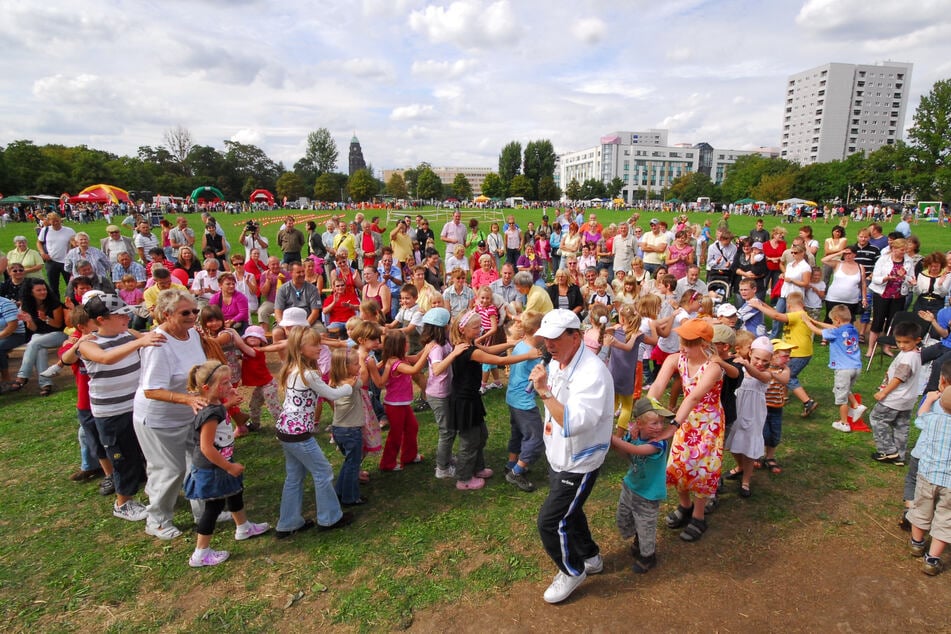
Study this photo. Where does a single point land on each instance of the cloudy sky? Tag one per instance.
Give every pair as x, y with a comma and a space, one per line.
444, 82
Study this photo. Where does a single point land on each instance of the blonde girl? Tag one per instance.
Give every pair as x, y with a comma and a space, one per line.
599, 315
466, 410
350, 416
627, 341
302, 386
215, 478
396, 377
369, 338
489, 314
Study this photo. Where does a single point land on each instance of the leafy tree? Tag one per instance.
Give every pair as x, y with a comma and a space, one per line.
289, 185
615, 186
573, 190
428, 185
691, 187
461, 187
204, 162
510, 161
539, 162
327, 188
774, 187
320, 156
396, 187
363, 186
24, 163
547, 189
591, 188
747, 172
931, 132
411, 177
249, 186
179, 142
521, 185
492, 186
90, 167
243, 161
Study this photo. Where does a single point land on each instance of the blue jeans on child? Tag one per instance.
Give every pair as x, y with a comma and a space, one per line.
796, 365
299, 459
773, 427
350, 443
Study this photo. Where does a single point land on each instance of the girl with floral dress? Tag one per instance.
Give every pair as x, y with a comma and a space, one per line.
696, 453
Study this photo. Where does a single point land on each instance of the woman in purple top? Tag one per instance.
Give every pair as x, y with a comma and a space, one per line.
234, 305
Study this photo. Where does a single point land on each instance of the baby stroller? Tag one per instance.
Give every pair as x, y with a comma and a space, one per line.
721, 291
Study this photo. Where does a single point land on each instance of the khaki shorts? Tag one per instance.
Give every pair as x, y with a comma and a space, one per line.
842, 383
931, 509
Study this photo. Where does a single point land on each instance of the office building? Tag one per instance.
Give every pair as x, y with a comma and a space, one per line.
475, 176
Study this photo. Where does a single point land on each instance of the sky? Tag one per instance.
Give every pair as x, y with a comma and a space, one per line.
449, 83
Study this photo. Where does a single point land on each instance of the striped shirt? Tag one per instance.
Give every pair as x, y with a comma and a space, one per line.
112, 386
775, 393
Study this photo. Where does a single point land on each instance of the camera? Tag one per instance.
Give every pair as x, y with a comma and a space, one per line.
251, 227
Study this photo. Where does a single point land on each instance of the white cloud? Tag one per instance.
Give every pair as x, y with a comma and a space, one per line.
679, 54
434, 69
590, 30
247, 136
368, 68
414, 111
469, 23
863, 19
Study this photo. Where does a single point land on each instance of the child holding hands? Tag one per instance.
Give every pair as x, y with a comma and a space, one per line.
215, 478
644, 485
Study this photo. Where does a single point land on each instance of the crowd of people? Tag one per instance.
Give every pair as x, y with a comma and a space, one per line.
162, 326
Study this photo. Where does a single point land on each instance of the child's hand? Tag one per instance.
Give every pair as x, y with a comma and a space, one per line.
879, 395
235, 469
151, 338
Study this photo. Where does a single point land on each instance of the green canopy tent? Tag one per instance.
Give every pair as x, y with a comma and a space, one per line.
208, 193
745, 201
674, 201
16, 200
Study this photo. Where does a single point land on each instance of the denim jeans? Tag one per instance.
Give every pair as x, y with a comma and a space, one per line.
87, 462
796, 365
350, 443
7, 344
36, 355
299, 459
778, 325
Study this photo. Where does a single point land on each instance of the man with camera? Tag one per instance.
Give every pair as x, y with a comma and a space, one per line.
251, 238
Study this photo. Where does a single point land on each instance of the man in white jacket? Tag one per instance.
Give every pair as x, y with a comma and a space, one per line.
578, 393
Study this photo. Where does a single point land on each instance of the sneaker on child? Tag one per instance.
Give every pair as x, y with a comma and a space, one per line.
250, 529
132, 511
445, 474
840, 426
107, 486
208, 558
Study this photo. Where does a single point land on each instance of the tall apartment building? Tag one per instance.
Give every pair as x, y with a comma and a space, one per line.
836, 110
646, 163
475, 176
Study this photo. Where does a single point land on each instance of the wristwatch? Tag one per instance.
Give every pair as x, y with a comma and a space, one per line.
545, 395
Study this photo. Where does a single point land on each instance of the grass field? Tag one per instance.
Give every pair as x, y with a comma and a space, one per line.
67, 565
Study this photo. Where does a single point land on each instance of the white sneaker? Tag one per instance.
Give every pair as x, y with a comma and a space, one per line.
224, 516
132, 511
855, 413
250, 529
51, 371
562, 587
593, 565
445, 474
210, 558
164, 533
840, 426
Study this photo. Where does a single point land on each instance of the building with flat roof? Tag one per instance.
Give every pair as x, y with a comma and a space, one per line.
646, 163
835, 110
475, 175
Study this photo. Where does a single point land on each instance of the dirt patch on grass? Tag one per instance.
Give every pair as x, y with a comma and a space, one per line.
835, 567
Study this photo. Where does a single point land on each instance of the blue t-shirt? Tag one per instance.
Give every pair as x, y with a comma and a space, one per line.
844, 352
752, 320
647, 475
8, 315
516, 396
943, 319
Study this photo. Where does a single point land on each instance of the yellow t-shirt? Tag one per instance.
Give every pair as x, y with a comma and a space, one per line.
347, 242
797, 333
538, 300
660, 240
402, 247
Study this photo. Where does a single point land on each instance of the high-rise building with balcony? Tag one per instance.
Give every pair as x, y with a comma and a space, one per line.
835, 110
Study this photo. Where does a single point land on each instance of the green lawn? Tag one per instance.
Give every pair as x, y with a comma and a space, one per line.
67, 565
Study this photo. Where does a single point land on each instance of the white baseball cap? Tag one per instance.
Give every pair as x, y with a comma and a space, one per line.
556, 322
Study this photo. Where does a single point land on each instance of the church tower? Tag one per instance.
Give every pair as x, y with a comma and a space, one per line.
356, 156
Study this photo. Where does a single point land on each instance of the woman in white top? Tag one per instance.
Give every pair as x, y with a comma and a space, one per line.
163, 410
847, 286
892, 277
